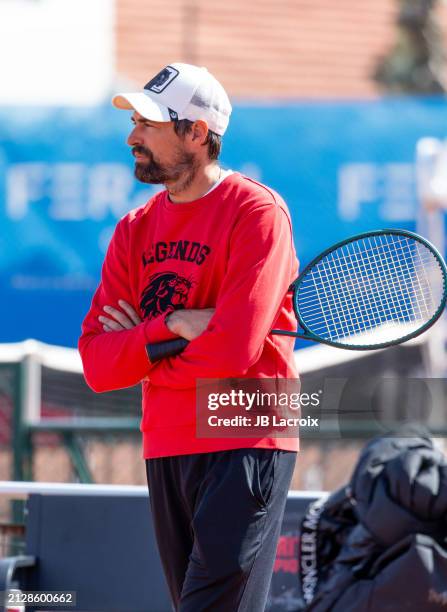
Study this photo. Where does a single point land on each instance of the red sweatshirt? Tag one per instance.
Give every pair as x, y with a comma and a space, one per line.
231, 250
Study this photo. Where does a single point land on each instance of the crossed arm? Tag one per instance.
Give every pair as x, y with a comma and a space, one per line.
188, 324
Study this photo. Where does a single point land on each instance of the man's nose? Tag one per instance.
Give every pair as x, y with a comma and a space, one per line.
133, 138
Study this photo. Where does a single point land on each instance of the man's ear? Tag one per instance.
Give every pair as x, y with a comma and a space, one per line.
199, 131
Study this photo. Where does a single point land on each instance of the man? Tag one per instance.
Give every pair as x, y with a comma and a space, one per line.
209, 259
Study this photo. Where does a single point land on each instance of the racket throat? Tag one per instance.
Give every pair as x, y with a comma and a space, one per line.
281, 332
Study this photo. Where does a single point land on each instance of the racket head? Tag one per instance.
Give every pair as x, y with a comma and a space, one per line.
409, 300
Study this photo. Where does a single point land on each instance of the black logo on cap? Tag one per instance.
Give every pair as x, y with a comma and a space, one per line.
162, 79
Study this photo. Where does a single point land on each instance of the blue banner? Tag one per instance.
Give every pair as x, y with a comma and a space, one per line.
66, 177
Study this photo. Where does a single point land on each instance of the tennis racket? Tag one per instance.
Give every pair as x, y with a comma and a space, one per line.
370, 291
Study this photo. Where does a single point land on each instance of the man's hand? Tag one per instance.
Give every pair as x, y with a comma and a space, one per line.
189, 323
121, 319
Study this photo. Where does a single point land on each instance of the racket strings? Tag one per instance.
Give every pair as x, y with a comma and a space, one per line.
395, 284
362, 284
406, 286
376, 300
382, 281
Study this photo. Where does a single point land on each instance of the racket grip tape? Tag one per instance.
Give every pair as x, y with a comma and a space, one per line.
159, 350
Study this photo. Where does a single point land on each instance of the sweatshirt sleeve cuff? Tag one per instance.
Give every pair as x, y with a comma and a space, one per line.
157, 330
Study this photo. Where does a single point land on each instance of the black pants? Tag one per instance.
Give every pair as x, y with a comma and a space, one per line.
217, 519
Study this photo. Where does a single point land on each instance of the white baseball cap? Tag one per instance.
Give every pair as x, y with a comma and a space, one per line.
181, 91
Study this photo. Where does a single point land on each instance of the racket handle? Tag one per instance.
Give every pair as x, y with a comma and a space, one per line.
170, 348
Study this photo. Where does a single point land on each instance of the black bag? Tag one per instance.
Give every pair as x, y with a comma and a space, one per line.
410, 576
380, 543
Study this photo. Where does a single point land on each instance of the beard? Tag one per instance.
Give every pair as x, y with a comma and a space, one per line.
179, 174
